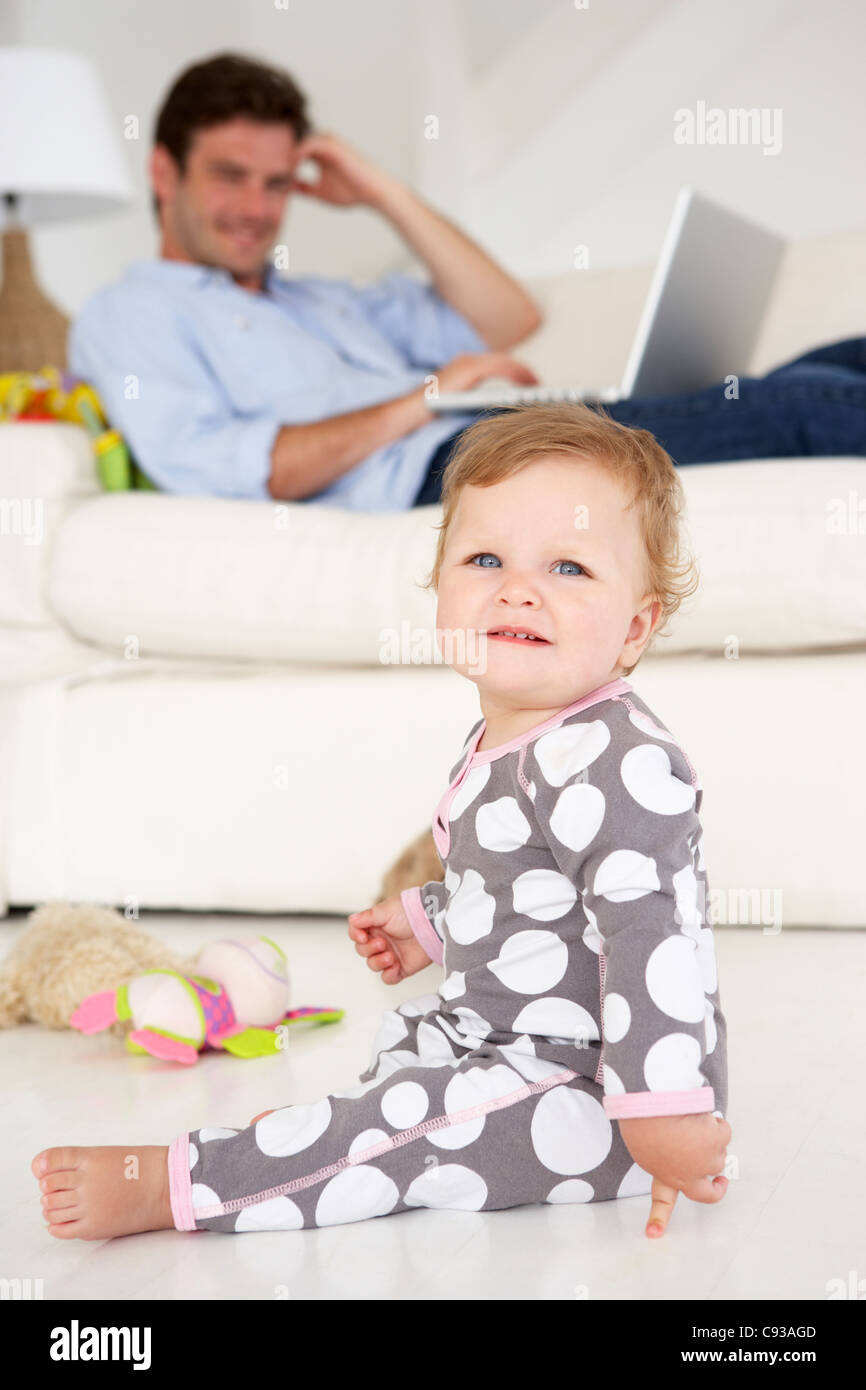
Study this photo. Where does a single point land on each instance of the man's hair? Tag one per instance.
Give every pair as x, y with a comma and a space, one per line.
497, 446
216, 91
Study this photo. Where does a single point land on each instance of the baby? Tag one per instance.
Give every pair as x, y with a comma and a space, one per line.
576, 1048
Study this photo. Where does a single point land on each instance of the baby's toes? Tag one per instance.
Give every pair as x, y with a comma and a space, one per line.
58, 1202
66, 1229
54, 1160
61, 1181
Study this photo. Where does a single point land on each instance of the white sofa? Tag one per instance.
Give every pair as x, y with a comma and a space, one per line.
195, 713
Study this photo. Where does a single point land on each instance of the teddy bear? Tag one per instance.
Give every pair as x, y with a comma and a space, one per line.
85, 967
68, 951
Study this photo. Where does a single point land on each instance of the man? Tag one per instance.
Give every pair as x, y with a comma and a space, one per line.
228, 379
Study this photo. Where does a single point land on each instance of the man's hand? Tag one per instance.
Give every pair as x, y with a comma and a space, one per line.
471, 368
463, 275
383, 934
346, 178
681, 1152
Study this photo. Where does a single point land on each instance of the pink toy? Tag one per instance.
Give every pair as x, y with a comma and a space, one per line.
237, 1002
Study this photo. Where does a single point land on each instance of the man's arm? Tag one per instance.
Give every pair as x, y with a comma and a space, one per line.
307, 458
463, 274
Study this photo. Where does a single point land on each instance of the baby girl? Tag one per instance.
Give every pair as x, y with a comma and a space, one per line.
576, 1048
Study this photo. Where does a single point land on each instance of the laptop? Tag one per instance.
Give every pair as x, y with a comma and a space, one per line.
700, 321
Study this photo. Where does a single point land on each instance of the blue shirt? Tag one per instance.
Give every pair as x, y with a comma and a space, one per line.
199, 374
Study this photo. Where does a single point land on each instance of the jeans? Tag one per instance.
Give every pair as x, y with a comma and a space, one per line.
812, 405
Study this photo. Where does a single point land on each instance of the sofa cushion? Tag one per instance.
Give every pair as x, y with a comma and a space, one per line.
272, 582
258, 581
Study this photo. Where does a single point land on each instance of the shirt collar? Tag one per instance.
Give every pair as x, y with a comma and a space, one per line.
199, 275
610, 690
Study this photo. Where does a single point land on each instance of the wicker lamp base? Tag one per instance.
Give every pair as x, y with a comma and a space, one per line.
33, 331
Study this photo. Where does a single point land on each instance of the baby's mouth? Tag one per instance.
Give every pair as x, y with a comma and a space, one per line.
518, 635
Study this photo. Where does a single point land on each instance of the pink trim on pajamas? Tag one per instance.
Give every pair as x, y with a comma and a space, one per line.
421, 924
594, 697
179, 1185
642, 1103
471, 758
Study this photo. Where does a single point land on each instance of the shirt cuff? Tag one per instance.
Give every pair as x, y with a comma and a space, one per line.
638, 1104
252, 462
421, 924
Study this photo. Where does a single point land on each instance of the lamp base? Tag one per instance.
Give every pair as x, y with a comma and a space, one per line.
33, 331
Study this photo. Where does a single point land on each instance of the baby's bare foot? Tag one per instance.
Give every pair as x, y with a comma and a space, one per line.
93, 1194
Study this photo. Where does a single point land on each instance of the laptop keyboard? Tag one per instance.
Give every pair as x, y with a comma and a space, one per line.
481, 397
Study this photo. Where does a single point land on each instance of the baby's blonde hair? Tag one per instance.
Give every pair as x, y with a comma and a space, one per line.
497, 446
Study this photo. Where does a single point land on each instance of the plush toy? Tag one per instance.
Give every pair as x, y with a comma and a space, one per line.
68, 953
236, 1000
69, 950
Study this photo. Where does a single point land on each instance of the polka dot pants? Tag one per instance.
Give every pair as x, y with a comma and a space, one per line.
439, 1119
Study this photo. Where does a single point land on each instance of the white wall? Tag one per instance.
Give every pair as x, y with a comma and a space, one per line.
556, 122
602, 169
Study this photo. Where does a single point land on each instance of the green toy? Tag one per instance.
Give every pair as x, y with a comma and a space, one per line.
237, 1003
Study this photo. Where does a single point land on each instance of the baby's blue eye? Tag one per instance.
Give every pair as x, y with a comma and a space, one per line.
487, 555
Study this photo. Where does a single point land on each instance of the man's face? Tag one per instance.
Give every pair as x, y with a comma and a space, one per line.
226, 209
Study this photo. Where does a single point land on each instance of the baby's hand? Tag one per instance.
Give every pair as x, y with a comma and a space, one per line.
383, 934
682, 1152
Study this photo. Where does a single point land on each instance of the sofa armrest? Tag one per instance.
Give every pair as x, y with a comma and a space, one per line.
45, 469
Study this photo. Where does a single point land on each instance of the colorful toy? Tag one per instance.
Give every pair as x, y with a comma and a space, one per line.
50, 394
70, 950
236, 1000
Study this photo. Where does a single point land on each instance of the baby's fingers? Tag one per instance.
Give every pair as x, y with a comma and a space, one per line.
381, 958
706, 1189
370, 917
369, 944
662, 1199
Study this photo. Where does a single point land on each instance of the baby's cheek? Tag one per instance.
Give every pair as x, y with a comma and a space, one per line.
608, 629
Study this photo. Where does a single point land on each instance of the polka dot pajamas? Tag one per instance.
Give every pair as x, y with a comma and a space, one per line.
580, 988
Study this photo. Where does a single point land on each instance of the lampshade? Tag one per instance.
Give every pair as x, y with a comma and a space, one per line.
61, 150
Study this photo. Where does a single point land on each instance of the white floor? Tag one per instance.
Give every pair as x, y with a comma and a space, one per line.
793, 1220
